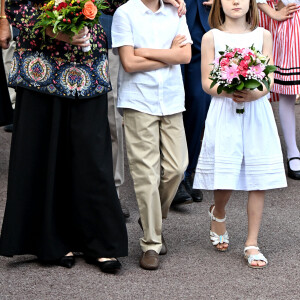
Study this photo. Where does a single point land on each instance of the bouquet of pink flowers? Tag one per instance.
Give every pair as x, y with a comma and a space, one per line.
70, 16
237, 69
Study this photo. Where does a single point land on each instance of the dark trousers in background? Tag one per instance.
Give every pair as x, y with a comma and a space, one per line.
196, 100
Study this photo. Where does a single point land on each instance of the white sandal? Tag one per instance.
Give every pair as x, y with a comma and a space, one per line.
251, 257
215, 238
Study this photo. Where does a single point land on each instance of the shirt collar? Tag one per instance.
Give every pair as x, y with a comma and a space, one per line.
144, 9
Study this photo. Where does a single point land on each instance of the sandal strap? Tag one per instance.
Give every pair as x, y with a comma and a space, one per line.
250, 247
256, 257
219, 239
213, 218
289, 159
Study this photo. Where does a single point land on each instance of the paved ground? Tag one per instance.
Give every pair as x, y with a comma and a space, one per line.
192, 269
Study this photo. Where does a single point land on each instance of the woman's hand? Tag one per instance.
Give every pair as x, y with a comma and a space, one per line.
180, 4
5, 35
247, 95
76, 40
178, 41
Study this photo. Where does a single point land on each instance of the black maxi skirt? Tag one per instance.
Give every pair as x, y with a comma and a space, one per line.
61, 194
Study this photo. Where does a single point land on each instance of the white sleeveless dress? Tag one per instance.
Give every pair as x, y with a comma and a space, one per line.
240, 151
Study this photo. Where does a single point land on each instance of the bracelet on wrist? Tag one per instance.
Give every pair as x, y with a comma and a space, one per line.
3, 17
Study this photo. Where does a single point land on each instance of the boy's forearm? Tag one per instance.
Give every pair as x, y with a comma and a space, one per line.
168, 56
140, 64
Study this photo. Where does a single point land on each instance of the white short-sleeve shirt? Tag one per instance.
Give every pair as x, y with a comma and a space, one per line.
159, 92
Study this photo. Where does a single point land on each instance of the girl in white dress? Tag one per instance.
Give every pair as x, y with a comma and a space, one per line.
286, 55
239, 151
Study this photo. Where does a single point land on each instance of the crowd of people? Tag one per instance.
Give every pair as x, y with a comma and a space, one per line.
181, 134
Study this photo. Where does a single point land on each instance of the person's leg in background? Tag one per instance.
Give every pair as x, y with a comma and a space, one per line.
116, 130
7, 55
196, 104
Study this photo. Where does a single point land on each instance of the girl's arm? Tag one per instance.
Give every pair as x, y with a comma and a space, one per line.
133, 63
179, 53
207, 57
251, 95
279, 15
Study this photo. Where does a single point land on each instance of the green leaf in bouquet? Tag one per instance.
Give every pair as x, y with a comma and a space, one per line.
219, 89
213, 83
260, 87
221, 52
251, 84
267, 84
229, 90
270, 69
55, 29
240, 86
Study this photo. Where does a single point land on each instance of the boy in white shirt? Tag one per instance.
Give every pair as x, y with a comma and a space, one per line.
152, 42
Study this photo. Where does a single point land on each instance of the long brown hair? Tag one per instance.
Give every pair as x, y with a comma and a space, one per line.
217, 17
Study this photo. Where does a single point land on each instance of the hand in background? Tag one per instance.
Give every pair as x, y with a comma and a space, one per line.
5, 35
180, 4
283, 12
208, 3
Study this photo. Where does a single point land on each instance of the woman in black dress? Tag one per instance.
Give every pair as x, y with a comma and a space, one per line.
61, 195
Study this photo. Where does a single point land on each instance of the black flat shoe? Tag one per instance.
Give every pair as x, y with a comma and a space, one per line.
109, 266
291, 173
66, 261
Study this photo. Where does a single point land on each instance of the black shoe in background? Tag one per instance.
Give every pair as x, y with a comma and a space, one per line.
195, 193
291, 173
9, 128
182, 197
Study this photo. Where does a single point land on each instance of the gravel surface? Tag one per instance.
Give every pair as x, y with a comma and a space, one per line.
192, 269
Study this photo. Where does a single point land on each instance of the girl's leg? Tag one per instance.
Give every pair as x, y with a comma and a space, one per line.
288, 124
221, 198
254, 210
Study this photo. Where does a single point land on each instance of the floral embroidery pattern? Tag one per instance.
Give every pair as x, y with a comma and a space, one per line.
54, 76
56, 67
75, 79
37, 69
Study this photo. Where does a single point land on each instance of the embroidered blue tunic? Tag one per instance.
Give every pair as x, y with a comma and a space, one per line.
54, 67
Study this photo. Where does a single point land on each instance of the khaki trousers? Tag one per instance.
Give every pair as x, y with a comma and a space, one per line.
157, 156
115, 122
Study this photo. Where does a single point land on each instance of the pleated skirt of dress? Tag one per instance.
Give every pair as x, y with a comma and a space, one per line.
61, 191
240, 151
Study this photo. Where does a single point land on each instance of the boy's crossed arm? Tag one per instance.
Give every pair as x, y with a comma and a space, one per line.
146, 59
